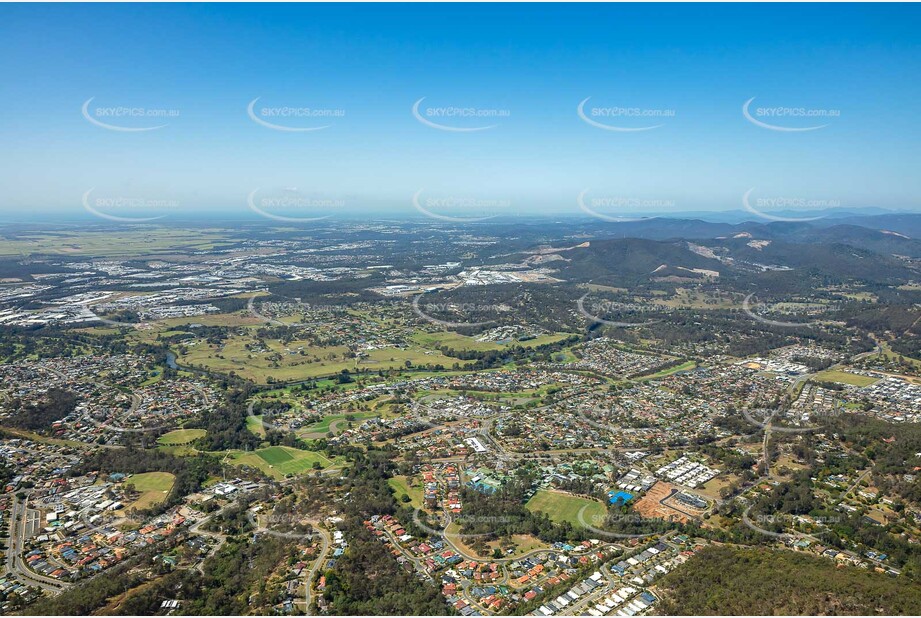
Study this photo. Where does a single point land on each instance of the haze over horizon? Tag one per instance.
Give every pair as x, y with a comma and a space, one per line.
459, 112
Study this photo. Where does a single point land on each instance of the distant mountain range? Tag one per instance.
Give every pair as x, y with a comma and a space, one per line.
889, 233
741, 216
680, 249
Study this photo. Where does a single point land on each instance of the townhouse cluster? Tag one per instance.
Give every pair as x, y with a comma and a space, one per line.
814, 401
896, 400
687, 472
646, 567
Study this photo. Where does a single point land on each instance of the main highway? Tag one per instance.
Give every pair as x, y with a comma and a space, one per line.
24, 524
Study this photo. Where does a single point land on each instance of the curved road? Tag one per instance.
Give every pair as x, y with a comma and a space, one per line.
14, 562
308, 595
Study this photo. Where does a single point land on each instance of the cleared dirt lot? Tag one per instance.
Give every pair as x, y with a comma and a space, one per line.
651, 505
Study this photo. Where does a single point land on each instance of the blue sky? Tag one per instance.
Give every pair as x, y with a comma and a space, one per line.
537, 63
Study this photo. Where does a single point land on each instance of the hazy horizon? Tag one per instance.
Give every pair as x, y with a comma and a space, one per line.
461, 112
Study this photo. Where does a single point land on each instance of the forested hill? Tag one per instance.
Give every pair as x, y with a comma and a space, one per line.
731, 581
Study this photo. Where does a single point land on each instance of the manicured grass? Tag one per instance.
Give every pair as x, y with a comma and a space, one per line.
275, 455
400, 485
562, 507
833, 375
324, 425
152, 481
154, 488
281, 461
181, 436
595, 287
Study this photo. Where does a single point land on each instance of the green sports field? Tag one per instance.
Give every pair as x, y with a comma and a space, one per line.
562, 507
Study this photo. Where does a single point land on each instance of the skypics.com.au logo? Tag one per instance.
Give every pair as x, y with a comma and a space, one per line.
460, 208
619, 526
127, 208
297, 119
456, 119
783, 526
761, 206
622, 119
285, 312
620, 208
597, 308
764, 308
455, 315
783, 119
289, 205
126, 119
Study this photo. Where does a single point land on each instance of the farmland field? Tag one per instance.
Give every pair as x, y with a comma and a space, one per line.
565, 507
143, 241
